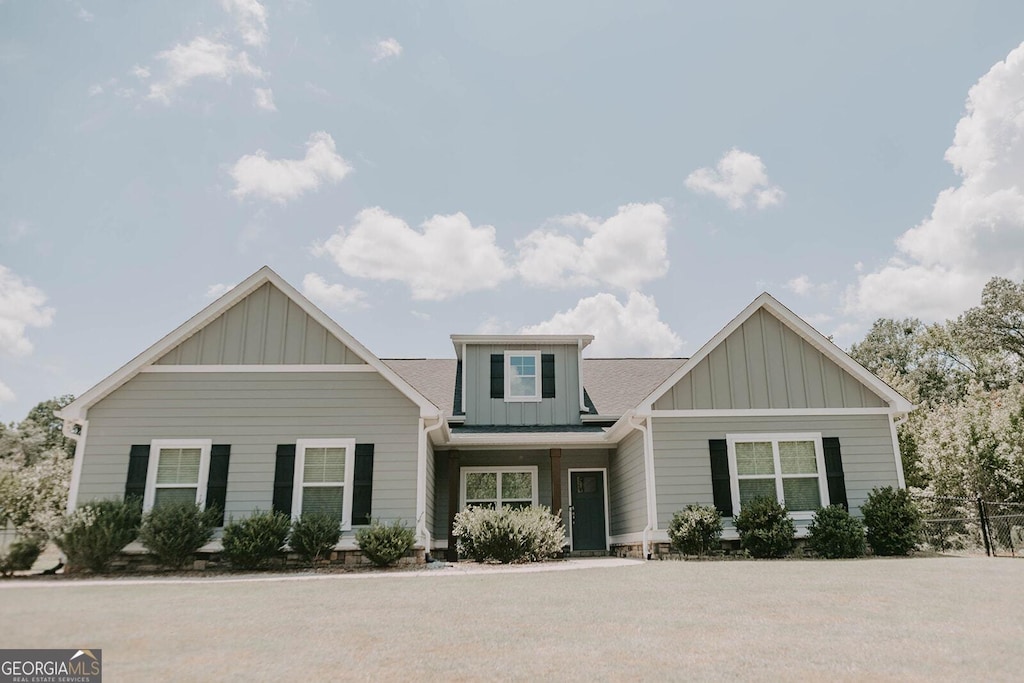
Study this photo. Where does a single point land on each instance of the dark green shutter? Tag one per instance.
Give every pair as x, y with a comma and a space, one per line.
458, 408
547, 375
362, 484
721, 487
497, 375
217, 482
138, 466
834, 472
284, 478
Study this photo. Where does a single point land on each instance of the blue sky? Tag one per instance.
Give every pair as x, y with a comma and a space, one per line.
639, 171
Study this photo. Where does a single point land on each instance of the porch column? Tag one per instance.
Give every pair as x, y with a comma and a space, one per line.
452, 554
556, 481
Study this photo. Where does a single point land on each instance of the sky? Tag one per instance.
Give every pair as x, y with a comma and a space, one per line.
639, 171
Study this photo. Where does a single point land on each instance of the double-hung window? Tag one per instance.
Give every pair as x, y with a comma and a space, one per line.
522, 376
323, 478
787, 467
494, 487
178, 473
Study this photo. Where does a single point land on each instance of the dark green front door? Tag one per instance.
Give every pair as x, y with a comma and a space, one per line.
587, 501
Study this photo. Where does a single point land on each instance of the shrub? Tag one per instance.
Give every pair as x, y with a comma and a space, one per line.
21, 554
834, 533
314, 534
765, 528
385, 544
508, 535
174, 532
892, 520
96, 532
696, 530
254, 541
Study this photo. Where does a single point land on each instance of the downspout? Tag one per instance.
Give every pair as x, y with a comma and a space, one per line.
652, 518
422, 532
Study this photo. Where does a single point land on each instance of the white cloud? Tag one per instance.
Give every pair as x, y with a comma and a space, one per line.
740, 179
6, 395
21, 306
976, 229
265, 99
282, 180
202, 58
633, 329
326, 295
250, 18
801, 285
624, 251
95, 89
218, 290
449, 257
140, 72
389, 48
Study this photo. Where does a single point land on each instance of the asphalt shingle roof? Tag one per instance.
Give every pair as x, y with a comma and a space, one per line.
614, 385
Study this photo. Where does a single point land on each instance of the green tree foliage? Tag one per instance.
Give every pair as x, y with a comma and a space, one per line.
967, 376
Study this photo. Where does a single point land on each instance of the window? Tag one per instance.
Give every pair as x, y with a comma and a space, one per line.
178, 473
323, 478
787, 467
522, 375
495, 487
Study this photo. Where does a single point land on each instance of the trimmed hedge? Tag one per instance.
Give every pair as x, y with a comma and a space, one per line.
173, 533
893, 521
385, 544
96, 532
696, 530
765, 528
314, 535
509, 535
257, 539
833, 534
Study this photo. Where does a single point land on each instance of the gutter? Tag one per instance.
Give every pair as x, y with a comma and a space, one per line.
422, 532
652, 515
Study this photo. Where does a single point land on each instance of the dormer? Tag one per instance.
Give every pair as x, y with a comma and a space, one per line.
519, 380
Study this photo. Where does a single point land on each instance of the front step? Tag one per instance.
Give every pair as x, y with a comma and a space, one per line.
588, 553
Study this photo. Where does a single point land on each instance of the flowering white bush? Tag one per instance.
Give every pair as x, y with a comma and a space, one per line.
696, 529
33, 498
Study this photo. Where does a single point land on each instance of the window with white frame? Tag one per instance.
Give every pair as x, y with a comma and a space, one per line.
177, 473
522, 376
787, 467
495, 487
323, 478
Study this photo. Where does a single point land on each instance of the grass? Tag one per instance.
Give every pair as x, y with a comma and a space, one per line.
911, 619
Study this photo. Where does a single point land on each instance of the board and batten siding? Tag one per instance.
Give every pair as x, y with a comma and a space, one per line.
682, 462
254, 412
765, 364
264, 328
627, 487
481, 409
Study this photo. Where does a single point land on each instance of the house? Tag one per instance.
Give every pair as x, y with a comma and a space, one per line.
262, 401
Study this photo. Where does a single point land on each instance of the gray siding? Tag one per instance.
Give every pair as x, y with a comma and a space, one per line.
264, 328
682, 462
765, 364
561, 410
627, 486
254, 412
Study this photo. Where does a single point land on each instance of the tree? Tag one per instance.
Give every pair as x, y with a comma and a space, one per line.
42, 416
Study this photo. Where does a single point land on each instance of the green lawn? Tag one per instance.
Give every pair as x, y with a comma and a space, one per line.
928, 618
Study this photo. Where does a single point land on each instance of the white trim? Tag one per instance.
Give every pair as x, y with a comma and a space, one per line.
421, 479
463, 471
157, 445
297, 484
76, 468
652, 494
360, 367
554, 439
535, 397
76, 409
897, 402
543, 339
579, 374
774, 438
901, 480
607, 521
771, 412
464, 378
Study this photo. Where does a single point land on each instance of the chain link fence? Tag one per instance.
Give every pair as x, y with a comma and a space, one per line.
972, 526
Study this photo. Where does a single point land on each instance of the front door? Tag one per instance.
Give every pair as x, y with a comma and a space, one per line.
587, 510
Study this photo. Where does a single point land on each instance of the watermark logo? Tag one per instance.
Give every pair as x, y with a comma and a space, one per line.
51, 666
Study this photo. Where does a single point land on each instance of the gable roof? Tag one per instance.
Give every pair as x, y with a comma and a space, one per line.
769, 303
432, 377
76, 409
616, 385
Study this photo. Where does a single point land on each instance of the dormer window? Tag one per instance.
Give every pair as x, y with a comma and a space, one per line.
522, 376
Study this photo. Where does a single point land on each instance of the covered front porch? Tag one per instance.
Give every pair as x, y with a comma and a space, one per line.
572, 482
